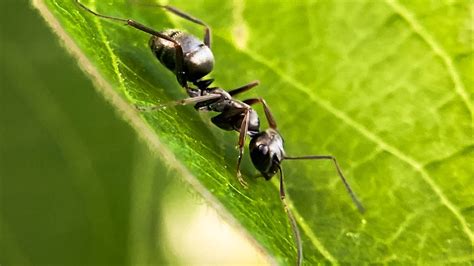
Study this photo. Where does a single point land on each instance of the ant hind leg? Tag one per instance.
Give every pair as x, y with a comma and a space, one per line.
244, 88
207, 30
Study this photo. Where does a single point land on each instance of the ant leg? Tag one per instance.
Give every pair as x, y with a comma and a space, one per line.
129, 22
243, 133
266, 109
294, 226
207, 30
186, 101
339, 171
244, 88
180, 74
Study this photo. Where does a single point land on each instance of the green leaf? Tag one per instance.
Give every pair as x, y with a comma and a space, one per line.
385, 86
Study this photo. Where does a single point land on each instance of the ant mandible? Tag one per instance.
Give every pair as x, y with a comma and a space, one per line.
191, 60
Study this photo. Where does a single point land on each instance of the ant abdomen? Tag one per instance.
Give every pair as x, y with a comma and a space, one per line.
198, 60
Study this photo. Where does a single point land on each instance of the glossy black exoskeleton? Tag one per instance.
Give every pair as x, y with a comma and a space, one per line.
189, 58
198, 60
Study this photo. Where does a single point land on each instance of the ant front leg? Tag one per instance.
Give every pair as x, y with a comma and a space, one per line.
237, 117
291, 218
353, 196
242, 134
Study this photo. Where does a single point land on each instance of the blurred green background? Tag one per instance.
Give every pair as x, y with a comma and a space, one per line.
69, 188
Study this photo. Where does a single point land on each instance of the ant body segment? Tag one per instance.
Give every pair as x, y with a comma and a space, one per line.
191, 60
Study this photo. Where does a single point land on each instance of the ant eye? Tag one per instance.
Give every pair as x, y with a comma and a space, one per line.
263, 148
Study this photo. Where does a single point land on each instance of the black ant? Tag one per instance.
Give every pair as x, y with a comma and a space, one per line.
192, 60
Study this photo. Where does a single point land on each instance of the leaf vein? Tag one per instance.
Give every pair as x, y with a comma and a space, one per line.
418, 167
392, 87
437, 48
346, 60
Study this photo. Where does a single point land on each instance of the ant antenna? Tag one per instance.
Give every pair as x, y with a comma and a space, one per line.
294, 226
354, 198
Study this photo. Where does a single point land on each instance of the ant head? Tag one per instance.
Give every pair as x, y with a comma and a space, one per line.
266, 152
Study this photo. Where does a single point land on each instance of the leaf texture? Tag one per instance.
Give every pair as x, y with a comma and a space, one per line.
385, 86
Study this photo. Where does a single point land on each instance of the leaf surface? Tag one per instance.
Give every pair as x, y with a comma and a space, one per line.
385, 86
